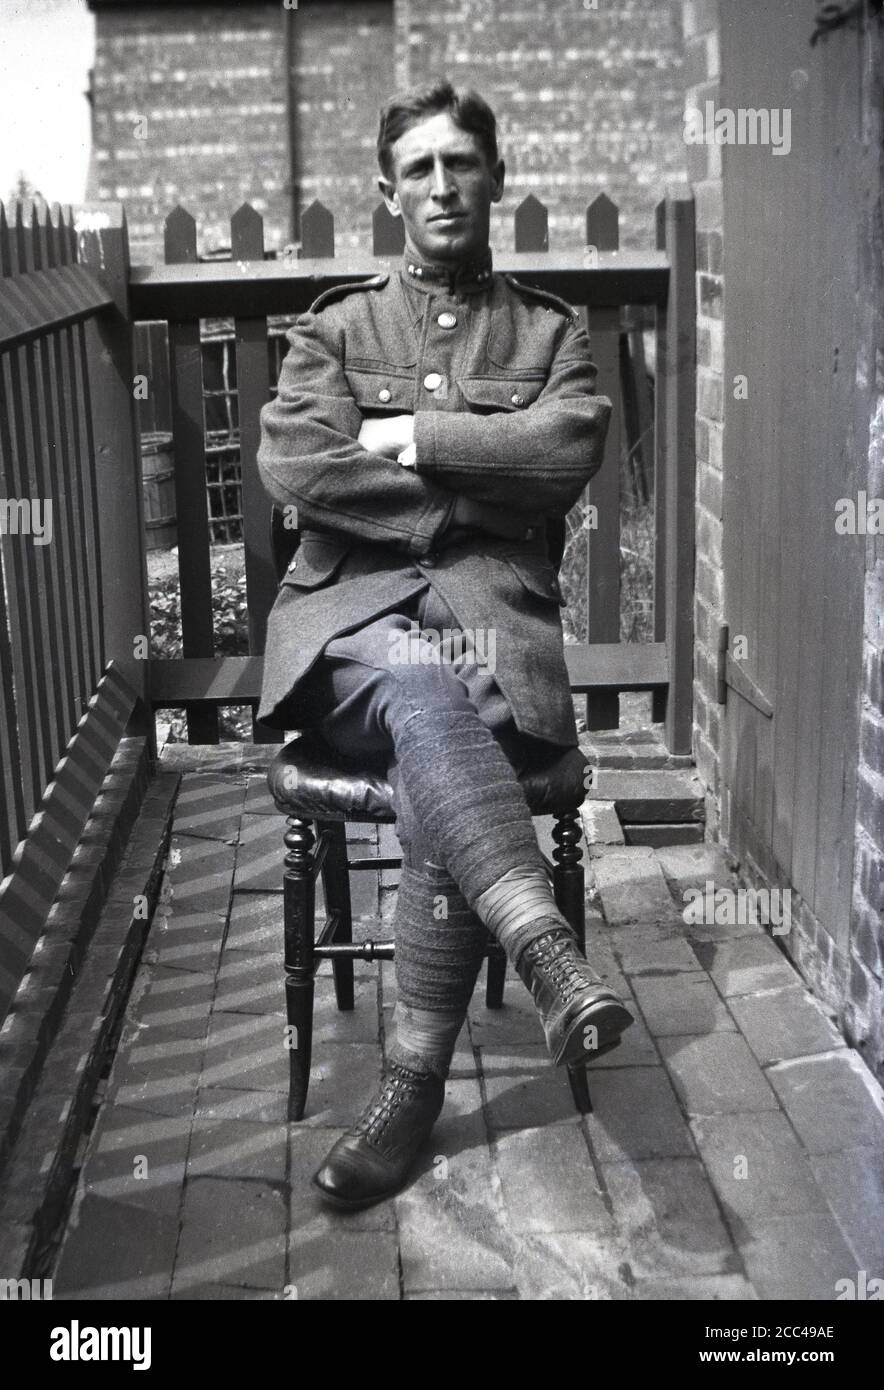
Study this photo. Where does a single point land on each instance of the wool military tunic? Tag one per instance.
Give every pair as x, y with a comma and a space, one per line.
500, 382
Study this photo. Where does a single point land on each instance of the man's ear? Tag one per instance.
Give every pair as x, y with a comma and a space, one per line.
390, 196
498, 174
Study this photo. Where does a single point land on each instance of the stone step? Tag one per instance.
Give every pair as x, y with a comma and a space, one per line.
653, 797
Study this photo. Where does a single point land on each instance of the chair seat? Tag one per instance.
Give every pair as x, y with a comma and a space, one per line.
310, 779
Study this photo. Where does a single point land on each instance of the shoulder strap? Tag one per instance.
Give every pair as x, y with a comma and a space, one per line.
552, 301
376, 282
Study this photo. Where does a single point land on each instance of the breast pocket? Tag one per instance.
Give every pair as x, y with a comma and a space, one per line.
381, 389
491, 393
316, 562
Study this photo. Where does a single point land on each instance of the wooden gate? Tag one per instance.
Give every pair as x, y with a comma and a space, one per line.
794, 312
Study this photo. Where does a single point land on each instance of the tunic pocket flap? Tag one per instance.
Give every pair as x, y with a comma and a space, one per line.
538, 576
374, 389
315, 562
501, 393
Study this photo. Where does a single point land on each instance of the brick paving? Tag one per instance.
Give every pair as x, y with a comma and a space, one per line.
734, 1151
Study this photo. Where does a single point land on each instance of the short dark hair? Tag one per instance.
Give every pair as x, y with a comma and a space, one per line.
468, 110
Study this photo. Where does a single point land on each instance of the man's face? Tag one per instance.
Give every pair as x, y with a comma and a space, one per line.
443, 187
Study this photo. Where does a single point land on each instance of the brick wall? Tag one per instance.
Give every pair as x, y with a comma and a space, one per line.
588, 100
188, 106
701, 71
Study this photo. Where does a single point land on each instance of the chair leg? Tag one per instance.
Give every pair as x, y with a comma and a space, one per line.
569, 889
496, 976
299, 919
336, 887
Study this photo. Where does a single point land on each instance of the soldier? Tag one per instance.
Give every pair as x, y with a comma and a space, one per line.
428, 425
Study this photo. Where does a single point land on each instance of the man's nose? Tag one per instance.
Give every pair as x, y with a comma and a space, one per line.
443, 183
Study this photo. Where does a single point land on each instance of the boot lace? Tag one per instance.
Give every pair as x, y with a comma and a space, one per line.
399, 1084
567, 972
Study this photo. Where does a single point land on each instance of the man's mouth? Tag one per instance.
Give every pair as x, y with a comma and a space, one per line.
447, 217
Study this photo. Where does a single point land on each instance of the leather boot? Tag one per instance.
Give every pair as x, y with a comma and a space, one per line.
571, 999
373, 1158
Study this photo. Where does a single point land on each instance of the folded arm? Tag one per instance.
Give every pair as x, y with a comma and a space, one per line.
310, 454
536, 459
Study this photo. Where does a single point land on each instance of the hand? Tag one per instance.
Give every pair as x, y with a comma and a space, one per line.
408, 457
389, 435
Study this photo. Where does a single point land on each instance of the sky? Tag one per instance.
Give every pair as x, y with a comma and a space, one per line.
46, 50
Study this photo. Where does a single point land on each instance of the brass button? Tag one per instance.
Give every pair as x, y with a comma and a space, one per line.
385, 395
517, 399
293, 566
432, 381
447, 320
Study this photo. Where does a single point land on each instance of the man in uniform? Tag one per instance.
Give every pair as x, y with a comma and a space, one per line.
426, 426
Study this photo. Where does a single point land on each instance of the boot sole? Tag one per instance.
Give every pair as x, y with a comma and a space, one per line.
609, 1017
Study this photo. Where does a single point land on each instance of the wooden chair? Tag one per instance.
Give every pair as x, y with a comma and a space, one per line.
320, 791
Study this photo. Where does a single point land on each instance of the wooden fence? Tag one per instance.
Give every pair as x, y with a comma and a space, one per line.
612, 288
73, 593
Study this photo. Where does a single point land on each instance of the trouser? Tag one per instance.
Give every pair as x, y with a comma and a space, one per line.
362, 692
471, 861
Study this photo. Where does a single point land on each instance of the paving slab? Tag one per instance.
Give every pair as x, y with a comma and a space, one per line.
716, 1074
549, 1182
853, 1184
263, 1107
185, 938
452, 1225
631, 885
227, 1148
693, 866
635, 1115
246, 1248
200, 873
250, 984
256, 923
524, 1089
652, 948
138, 1158
601, 824
344, 1265
570, 1267
746, 964
246, 1051
681, 1003
115, 1249
209, 807
784, 1023
796, 1257
669, 1219
832, 1100
757, 1165
175, 1000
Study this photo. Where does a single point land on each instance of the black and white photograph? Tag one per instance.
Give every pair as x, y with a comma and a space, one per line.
441, 670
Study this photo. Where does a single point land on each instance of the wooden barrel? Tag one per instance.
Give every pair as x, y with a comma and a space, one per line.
158, 483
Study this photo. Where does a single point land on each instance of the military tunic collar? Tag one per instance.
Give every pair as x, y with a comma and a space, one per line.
465, 278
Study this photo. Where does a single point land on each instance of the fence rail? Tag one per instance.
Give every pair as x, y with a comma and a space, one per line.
611, 289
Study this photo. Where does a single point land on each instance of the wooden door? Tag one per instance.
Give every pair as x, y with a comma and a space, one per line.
797, 326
